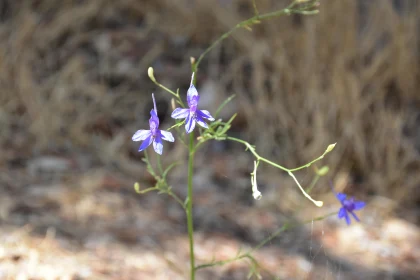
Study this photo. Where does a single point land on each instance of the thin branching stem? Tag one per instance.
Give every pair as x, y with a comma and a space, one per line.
174, 196
248, 254
255, 20
254, 5
289, 171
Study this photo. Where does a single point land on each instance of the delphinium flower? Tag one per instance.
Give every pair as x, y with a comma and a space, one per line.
154, 135
348, 206
192, 115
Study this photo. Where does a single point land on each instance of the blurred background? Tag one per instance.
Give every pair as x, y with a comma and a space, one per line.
74, 88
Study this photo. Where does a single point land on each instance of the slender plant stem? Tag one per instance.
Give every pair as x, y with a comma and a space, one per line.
254, 20
286, 226
159, 164
289, 171
190, 205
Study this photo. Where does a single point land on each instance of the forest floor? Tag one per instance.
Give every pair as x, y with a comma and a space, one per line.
62, 222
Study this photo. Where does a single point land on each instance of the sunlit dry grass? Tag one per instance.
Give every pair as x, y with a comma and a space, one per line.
73, 75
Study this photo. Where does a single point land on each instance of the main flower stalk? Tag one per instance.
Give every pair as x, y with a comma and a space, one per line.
190, 205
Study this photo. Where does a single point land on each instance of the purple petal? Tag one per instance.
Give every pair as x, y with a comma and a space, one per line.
146, 143
167, 136
341, 196
355, 216
341, 213
200, 121
154, 118
180, 113
359, 205
190, 123
348, 221
205, 114
158, 145
192, 91
141, 135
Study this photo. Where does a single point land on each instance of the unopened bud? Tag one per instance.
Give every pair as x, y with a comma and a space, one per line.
173, 105
255, 192
137, 187
257, 195
323, 171
330, 148
150, 73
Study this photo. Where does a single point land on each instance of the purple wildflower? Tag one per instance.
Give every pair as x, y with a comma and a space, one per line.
348, 206
154, 134
192, 115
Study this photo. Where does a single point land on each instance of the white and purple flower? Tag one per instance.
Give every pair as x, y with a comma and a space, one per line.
154, 135
192, 115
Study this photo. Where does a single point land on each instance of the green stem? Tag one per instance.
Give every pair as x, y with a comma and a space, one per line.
257, 156
159, 164
286, 226
190, 205
254, 20
289, 171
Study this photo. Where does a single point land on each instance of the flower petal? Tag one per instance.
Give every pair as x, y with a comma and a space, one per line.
190, 123
180, 113
141, 135
341, 213
359, 205
167, 136
341, 196
348, 221
158, 145
200, 121
154, 118
355, 216
146, 143
205, 114
192, 91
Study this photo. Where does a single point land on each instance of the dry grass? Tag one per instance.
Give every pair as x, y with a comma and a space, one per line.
341, 76
73, 76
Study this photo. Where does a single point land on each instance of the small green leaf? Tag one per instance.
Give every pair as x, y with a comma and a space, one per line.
224, 103
169, 168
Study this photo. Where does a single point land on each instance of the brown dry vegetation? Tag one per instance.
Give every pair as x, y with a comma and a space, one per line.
73, 80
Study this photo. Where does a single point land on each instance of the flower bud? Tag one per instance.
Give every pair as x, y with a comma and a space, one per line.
150, 73
323, 171
330, 148
137, 187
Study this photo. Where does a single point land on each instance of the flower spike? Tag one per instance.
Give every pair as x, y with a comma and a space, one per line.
154, 135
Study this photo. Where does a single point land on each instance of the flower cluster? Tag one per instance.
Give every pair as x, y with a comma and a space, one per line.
192, 115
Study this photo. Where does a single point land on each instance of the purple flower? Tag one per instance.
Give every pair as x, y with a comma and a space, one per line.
192, 115
154, 135
348, 206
